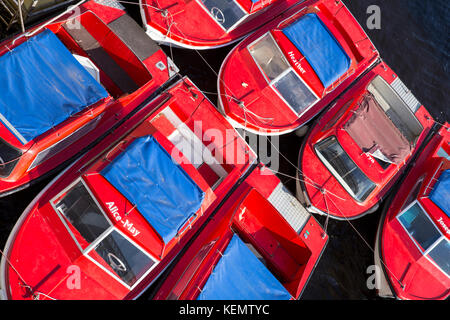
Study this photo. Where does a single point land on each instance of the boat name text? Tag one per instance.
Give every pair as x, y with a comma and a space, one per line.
125, 222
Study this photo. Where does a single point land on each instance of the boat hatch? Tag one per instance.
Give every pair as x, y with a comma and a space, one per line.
317, 44
280, 75
344, 169
227, 13
98, 239
240, 275
396, 109
440, 194
430, 241
161, 190
31, 105
375, 133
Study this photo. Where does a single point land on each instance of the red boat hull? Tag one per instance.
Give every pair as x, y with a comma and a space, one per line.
41, 241
251, 102
405, 272
318, 187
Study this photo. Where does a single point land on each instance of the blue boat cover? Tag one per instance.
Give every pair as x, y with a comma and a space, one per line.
42, 85
239, 275
161, 190
440, 194
323, 52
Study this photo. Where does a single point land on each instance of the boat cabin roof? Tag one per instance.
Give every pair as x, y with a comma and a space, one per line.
440, 194
161, 190
240, 275
319, 47
42, 85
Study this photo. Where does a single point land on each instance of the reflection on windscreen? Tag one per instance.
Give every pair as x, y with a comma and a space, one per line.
269, 57
419, 226
226, 12
346, 171
295, 92
128, 262
271, 60
83, 213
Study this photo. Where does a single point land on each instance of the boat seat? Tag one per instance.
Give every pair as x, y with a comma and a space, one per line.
102, 59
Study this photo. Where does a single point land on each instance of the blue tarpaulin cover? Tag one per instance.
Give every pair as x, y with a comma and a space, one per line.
440, 194
239, 275
323, 52
42, 85
162, 191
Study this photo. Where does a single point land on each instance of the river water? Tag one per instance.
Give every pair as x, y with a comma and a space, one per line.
413, 40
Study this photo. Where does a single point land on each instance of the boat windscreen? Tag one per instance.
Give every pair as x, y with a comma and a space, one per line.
344, 169
320, 48
441, 255
42, 85
239, 275
440, 194
419, 226
162, 191
225, 12
375, 133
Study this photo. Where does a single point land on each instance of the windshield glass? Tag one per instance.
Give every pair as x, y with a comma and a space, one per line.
226, 12
344, 169
122, 257
9, 156
82, 212
295, 92
269, 57
419, 226
441, 255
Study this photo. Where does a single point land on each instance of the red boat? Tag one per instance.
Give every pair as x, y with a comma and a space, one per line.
261, 245
68, 82
109, 225
413, 246
207, 24
360, 146
281, 76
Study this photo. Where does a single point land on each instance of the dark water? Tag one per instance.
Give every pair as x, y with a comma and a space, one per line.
413, 40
